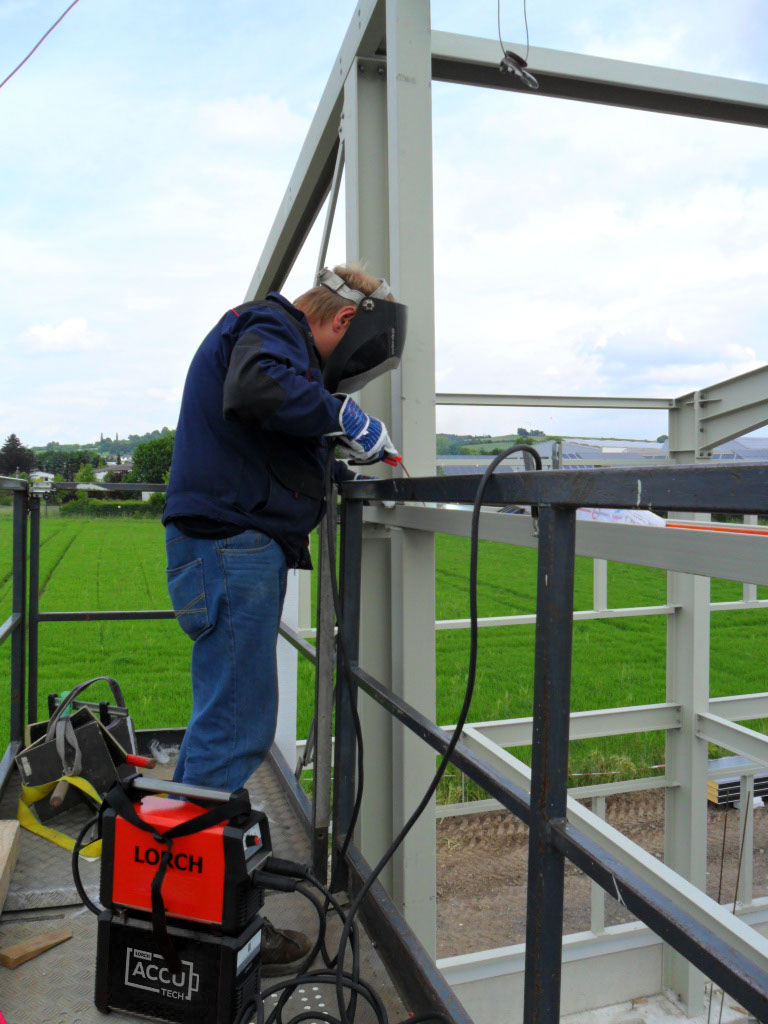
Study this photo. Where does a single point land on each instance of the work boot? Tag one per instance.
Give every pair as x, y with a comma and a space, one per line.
282, 950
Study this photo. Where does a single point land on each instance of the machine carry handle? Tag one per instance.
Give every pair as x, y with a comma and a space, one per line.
117, 694
202, 793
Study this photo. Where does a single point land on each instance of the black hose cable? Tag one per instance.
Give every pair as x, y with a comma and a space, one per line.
76, 866
471, 672
345, 663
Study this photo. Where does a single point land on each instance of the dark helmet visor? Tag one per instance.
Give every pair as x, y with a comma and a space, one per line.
372, 345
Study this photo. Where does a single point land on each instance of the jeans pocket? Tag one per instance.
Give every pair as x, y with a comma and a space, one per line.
186, 586
248, 542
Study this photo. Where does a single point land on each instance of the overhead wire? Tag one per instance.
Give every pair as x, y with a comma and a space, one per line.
527, 35
40, 40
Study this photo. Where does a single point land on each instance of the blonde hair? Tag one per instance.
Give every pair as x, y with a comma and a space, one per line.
322, 304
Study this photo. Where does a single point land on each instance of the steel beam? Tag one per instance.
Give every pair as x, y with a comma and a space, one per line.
711, 416
585, 725
689, 488
585, 615
297, 641
740, 708
736, 738
553, 401
111, 616
312, 176
468, 60
723, 556
10, 624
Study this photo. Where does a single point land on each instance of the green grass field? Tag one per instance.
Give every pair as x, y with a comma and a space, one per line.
119, 564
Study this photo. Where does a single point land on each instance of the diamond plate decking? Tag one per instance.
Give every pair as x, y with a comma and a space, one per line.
57, 986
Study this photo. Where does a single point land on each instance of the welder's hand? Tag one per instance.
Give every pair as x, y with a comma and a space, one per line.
363, 439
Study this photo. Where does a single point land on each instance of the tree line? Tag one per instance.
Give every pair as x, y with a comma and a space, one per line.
151, 460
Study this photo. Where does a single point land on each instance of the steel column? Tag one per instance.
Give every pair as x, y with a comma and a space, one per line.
367, 240
411, 242
685, 815
34, 605
19, 637
549, 762
345, 749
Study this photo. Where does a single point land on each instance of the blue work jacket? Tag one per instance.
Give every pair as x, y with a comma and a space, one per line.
250, 448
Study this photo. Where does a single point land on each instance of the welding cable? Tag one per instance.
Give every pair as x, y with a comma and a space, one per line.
76, 866
330, 534
293, 869
468, 693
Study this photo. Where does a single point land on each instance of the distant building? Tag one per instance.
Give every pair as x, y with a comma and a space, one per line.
593, 453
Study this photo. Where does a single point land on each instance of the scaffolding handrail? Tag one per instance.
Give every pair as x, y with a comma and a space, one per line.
726, 949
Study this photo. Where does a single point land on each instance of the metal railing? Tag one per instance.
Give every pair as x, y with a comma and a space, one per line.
14, 626
733, 955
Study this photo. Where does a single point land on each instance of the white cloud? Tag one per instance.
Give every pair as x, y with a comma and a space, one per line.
251, 119
71, 335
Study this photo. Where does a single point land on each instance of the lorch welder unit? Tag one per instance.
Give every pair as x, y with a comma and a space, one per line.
187, 855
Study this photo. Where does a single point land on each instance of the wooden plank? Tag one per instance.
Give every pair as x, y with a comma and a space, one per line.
9, 851
13, 956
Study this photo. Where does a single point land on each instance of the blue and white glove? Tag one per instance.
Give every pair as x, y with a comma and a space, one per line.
363, 439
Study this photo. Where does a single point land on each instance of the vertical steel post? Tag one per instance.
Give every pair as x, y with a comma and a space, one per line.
749, 590
19, 637
412, 269
344, 763
367, 239
321, 776
747, 837
685, 803
597, 893
34, 605
599, 584
685, 812
549, 765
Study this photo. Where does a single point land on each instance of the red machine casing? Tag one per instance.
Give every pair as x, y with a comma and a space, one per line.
207, 879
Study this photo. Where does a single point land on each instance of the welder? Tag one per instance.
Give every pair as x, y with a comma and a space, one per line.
266, 401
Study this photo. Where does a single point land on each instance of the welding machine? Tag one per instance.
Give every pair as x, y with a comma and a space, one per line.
179, 939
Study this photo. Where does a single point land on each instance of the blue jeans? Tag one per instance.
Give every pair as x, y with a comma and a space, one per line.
228, 598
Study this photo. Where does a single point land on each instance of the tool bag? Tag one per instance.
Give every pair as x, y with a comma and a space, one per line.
114, 717
75, 746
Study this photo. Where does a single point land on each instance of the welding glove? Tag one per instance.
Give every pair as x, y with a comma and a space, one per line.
362, 439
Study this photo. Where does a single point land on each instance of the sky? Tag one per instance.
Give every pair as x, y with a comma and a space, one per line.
580, 250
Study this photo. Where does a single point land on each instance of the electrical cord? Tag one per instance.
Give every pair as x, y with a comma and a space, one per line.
88, 902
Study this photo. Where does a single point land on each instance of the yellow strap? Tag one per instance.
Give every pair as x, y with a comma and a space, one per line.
31, 795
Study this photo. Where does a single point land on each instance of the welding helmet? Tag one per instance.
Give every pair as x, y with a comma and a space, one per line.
373, 342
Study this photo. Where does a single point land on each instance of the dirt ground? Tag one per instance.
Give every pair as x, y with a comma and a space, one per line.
482, 863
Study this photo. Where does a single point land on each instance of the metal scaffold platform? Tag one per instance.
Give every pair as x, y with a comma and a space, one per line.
57, 987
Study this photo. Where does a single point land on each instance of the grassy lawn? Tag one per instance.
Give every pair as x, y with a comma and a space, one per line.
119, 564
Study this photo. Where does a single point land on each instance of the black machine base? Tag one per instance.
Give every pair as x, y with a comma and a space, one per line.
219, 977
